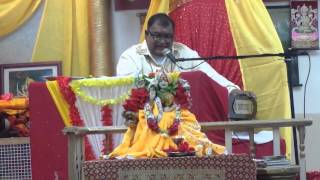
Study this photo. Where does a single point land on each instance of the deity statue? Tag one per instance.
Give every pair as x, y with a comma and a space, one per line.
304, 17
157, 112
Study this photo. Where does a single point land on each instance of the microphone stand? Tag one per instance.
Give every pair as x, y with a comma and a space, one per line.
290, 54
287, 60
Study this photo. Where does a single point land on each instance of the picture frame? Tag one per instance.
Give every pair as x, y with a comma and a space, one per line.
304, 24
121, 5
15, 78
280, 15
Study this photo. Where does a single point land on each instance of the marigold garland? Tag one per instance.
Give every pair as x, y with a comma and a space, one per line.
111, 82
69, 96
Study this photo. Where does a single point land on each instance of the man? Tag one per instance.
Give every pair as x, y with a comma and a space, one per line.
150, 56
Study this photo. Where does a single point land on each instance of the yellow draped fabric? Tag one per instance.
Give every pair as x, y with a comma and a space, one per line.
60, 102
63, 35
14, 13
254, 33
16, 103
14, 106
143, 142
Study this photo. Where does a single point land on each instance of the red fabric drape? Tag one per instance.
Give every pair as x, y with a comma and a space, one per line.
203, 25
209, 101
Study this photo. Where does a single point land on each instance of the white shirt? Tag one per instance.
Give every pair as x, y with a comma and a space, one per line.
137, 59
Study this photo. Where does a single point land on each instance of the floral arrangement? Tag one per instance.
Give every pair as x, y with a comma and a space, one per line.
167, 91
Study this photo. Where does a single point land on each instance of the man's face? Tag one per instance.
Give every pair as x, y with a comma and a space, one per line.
158, 38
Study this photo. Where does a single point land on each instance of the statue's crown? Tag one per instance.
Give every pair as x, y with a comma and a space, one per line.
304, 9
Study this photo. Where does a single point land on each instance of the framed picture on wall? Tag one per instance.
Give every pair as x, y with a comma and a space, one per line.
15, 78
280, 16
131, 4
304, 24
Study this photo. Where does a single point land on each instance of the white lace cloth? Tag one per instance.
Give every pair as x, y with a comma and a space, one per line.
91, 113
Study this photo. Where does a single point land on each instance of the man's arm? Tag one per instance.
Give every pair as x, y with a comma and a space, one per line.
206, 68
213, 74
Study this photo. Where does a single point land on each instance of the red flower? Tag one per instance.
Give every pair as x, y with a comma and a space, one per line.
106, 115
137, 100
152, 75
184, 147
153, 125
181, 97
174, 128
6, 96
170, 149
131, 105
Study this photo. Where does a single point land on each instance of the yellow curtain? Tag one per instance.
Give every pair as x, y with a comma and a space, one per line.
14, 13
254, 33
63, 35
60, 102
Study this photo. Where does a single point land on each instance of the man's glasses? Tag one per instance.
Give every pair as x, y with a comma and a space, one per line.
157, 36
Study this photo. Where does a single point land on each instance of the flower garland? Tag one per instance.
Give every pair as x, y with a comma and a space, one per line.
153, 121
70, 97
6, 96
140, 99
107, 121
110, 82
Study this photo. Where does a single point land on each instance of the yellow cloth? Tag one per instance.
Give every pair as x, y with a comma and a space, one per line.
16, 103
13, 13
254, 33
143, 142
14, 106
60, 102
63, 35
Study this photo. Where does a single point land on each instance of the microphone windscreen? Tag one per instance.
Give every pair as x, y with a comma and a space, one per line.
166, 51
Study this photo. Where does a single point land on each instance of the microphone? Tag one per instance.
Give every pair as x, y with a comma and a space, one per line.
167, 52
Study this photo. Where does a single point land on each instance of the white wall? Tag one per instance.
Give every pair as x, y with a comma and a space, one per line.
312, 107
126, 30
313, 84
17, 47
